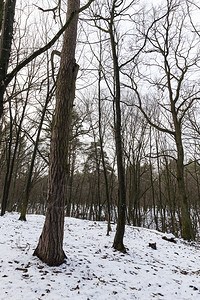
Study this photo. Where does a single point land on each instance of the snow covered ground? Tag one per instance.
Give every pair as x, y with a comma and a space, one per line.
93, 270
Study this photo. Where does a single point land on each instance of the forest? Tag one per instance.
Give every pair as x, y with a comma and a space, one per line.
99, 115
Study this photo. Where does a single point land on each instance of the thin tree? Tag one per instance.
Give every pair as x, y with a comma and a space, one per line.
5, 49
102, 151
175, 61
12, 153
119, 235
30, 171
114, 9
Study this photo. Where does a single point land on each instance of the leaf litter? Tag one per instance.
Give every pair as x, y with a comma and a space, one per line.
93, 269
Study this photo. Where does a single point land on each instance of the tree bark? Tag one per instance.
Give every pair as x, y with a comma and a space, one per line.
50, 245
1, 12
119, 235
7, 21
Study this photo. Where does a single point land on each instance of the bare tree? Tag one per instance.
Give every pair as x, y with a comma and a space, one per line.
6, 78
28, 187
175, 58
50, 245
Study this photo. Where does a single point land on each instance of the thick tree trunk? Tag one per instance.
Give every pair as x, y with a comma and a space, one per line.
7, 11
50, 246
1, 12
7, 21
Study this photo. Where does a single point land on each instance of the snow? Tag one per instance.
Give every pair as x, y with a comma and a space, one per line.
93, 270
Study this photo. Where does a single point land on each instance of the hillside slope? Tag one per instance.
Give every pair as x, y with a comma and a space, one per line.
93, 270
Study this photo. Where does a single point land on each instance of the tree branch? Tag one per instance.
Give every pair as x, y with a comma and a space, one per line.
38, 52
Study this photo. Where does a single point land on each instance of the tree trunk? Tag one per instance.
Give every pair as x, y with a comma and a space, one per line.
160, 187
7, 21
11, 162
30, 172
8, 166
118, 240
186, 224
50, 245
155, 207
71, 179
103, 157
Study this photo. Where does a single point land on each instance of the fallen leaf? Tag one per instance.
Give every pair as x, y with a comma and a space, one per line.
22, 269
